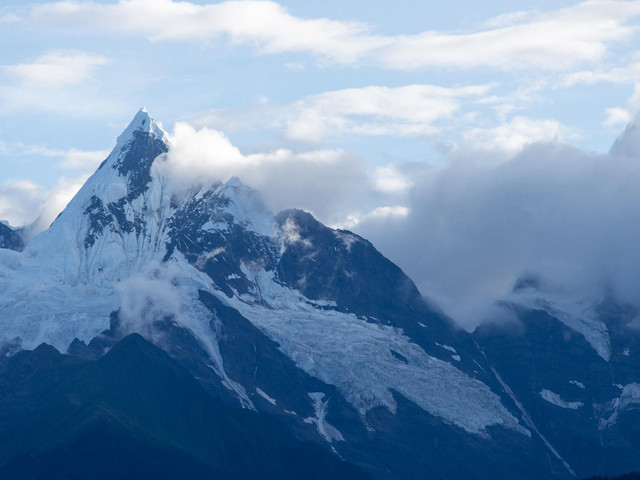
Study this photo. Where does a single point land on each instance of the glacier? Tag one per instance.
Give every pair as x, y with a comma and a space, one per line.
117, 247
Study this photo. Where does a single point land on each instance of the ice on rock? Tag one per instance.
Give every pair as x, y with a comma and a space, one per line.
575, 313
609, 412
354, 355
325, 429
555, 399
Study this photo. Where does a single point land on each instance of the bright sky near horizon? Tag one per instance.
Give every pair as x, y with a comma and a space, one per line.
381, 98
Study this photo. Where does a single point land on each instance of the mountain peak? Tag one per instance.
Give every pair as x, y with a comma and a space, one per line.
143, 122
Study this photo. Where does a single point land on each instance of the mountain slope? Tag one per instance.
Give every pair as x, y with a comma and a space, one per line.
134, 413
573, 364
274, 313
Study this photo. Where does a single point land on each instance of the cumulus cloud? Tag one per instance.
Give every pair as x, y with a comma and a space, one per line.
551, 40
466, 229
150, 296
322, 181
616, 117
389, 180
474, 226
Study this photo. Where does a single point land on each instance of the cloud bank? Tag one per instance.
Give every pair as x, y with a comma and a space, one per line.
323, 181
466, 230
476, 225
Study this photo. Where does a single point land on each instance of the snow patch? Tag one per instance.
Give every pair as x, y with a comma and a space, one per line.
577, 314
628, 399
325, 429
261, 392
355, 356
556, 400
577, 384
447, 347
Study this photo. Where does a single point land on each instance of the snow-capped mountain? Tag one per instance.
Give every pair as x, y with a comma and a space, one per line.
283, 315
574, 365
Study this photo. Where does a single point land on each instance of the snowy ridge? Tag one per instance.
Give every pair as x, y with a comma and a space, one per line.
124, 242
62, 285
576, 314
355, 356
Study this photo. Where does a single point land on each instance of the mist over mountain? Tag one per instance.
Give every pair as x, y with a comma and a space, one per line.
332, 344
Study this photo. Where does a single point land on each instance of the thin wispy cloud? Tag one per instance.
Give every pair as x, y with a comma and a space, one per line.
412, 110
62, 81
469, 116
517, 133
56, 69
554, 40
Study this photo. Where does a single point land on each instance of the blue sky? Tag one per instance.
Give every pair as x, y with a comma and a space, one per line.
74, 73
365, 103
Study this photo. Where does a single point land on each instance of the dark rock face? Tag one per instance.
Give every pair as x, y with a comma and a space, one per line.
11, 238
134, 413
594, 431
136, 163
219, 251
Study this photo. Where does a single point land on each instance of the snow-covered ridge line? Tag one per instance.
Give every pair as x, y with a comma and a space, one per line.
355, 356
125, 233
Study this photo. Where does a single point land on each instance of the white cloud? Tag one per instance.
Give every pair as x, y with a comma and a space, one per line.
150, 296
321, 181
385, 213
56, 69
412, 110
20, 201
519, 132
377, 110
61, 82
617, 117
618, 75
25, 203
473, 227
388, 179
550, 41
55, 201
